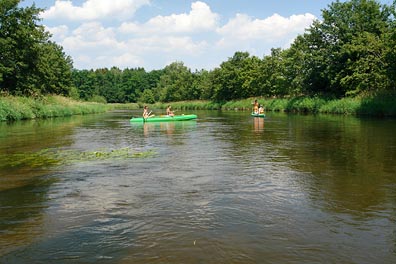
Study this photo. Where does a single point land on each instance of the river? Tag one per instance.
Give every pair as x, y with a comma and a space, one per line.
225, 188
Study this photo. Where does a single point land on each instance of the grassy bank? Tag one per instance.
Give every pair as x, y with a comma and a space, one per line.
19, 108
188, 105
378, 105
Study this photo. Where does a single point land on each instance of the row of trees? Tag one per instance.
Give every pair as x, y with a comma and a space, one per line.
352, 51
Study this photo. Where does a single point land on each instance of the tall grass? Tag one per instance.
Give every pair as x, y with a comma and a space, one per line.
243, 104
188, 105
344, 106
378, 105
374, 105
19, 108
127, 106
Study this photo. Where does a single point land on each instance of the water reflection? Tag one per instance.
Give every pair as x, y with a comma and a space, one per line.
258, 124
348, 169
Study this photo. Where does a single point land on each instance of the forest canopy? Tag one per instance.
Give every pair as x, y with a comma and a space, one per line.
350, 52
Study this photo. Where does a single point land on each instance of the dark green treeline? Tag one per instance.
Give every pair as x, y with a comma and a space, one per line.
351, 52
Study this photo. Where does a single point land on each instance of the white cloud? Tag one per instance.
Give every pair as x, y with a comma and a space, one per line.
271, 29
130, 27
93, 9
200, 18
126, 60
195, 37
59, 32
92, 38
98, 46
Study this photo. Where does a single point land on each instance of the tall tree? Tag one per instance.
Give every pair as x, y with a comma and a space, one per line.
54, 69
332, 48
175, 83
29, 63
273, 79
390, 43
233, 79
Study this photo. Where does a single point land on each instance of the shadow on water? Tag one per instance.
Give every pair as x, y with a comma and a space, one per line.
22, 210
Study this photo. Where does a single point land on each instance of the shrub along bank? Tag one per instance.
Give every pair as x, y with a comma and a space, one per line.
19, 108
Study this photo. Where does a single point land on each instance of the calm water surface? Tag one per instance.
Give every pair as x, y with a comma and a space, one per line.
226, 188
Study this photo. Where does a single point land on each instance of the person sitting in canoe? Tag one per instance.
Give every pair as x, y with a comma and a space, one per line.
146, 113
169, 111
261, 110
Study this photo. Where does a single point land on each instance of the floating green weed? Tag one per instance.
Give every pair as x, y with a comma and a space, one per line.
48, 157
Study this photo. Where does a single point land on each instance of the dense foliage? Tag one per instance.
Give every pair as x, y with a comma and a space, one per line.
350, 52
30, 64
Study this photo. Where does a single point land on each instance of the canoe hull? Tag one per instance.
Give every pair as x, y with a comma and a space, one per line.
257, 115
163, 118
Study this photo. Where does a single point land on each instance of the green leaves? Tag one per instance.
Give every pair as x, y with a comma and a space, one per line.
176, 82
29, 63
346, 52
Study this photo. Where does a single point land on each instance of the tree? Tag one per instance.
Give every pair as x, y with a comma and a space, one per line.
330, 46
236, 78
365, 69
202, 85
29, 63
295, 67
85, 82
54, 69
147, 97
273, 79
390, 44
175, 82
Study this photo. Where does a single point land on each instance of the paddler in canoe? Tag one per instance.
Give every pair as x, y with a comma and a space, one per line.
255, 107
146, 113
169, 111
261, 109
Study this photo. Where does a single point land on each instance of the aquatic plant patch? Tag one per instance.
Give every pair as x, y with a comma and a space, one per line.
54, 156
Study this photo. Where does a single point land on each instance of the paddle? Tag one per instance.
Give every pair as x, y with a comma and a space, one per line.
149, 115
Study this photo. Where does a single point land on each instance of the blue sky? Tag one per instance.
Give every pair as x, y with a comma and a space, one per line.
155, 33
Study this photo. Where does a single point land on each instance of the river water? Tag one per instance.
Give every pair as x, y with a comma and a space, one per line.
226, 188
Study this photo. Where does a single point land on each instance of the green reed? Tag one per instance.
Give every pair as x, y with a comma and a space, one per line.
19, 108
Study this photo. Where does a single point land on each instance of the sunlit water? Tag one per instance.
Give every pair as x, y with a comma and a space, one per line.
226, 188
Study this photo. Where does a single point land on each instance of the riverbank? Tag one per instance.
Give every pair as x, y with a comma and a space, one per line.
14, 108
378, 105
19, 108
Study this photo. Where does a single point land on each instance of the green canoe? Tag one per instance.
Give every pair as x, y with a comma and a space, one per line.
257, 115
163, 118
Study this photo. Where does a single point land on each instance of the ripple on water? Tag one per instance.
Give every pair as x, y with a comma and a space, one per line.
216, 192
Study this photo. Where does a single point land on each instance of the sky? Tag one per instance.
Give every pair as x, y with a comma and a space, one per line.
154, 33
